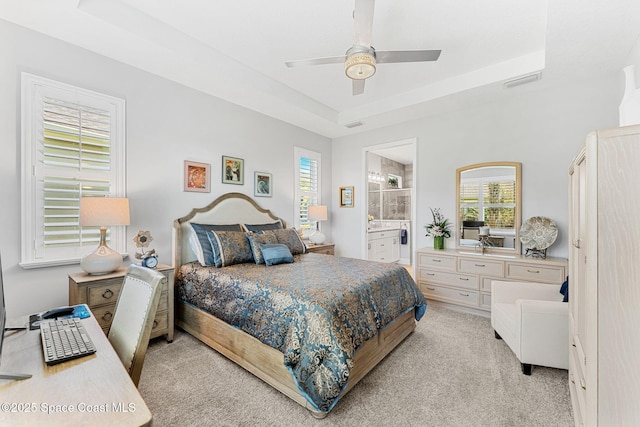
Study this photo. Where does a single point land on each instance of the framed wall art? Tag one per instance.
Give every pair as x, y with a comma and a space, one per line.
197, 177
346, 197
262, 184
232, 170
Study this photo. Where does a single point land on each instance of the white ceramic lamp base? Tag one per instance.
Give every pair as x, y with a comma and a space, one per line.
317, 238
104, 260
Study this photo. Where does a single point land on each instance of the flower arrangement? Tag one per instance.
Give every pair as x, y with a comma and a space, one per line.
142, 240
440, 225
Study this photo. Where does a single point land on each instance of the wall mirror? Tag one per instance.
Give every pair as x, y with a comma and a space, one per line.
488, 204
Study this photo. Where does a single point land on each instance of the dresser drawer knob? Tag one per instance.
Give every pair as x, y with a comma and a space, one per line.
479, 265
463, 294
430, 274
436, 260
107, 316
107, 294
533, 271
431, 289
466, 279
155, 324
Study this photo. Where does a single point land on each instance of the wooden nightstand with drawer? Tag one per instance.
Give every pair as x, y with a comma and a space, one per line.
100, 293
322, 248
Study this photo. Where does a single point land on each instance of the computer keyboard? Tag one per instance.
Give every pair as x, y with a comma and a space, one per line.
64, 339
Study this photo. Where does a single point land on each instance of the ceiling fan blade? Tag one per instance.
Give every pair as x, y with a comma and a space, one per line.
363, 22
316, 61
358, 87
406, 55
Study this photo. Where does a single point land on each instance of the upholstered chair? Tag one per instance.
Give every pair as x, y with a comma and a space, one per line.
533, 321
133, 319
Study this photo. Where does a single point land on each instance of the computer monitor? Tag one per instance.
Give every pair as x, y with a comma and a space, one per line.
3, 321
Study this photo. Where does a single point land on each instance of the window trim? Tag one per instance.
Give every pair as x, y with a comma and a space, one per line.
300, 153
33, 90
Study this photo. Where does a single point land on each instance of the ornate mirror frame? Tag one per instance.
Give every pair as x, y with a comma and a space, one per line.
494, 246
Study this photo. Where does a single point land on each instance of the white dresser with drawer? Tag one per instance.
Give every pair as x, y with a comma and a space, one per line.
464, 278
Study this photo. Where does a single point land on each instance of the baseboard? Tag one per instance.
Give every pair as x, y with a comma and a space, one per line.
459, 308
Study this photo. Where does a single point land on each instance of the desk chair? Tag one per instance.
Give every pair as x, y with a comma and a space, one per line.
133, 319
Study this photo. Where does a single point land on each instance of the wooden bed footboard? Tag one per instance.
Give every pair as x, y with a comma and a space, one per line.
267, 363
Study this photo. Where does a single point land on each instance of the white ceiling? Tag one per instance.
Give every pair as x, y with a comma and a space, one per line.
236, 50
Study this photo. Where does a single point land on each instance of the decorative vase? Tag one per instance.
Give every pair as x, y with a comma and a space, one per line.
438, 242
630, 105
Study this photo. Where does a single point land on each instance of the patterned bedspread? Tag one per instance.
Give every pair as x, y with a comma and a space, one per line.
317, 311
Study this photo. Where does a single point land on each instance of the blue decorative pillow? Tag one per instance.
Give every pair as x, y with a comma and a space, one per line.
255, 240
564, 290
230, 247
291, 238
201, 245
276, 254
263, 227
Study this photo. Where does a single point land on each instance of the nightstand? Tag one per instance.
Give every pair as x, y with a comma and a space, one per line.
100, 293
323, 248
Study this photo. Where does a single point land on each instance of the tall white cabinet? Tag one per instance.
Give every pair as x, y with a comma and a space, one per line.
604, 279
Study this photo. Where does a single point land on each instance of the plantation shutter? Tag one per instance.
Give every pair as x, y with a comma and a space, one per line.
308, 190
307, 187
73, 147
76, 162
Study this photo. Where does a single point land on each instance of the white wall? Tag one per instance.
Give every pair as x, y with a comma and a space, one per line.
166, 124
542, 130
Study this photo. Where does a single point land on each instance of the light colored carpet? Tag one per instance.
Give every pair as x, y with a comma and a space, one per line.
450, 372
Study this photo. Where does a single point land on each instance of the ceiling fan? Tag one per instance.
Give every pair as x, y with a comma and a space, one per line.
361, 58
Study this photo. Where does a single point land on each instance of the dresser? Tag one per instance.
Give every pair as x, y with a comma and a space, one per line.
604, 289
101, 292
463, 278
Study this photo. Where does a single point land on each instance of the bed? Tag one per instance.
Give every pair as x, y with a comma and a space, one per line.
298, 330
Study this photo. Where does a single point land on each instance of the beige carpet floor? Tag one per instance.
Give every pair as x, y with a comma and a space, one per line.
450, 372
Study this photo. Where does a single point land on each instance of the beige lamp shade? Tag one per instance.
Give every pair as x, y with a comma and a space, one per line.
318, 213
102, 212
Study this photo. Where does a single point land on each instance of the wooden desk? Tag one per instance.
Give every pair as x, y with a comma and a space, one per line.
94, 390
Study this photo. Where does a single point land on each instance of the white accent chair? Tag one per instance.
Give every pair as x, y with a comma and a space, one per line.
533, 321
134, 315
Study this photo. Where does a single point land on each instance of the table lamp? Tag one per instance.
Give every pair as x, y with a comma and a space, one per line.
103, 212
317, 214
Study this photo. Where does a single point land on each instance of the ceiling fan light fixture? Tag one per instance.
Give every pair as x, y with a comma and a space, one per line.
360, 66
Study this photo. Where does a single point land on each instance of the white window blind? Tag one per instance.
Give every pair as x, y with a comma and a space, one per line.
307, 187
492, 200
73, 147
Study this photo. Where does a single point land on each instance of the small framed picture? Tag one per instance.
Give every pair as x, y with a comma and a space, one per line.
346, 197
197, 177
232, 170
262, 184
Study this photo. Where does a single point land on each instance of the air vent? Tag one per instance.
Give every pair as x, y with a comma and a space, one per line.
353, 125
523, 80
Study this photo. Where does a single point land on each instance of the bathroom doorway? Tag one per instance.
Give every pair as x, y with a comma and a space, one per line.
390, 174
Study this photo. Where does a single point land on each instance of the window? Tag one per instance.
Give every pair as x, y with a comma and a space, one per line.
491, 199
73, 145
307, 187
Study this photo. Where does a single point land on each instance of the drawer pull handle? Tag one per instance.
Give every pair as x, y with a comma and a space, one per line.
436, 260
431, 289
480, 265
463, 294
430, 274
464, 278
107, 316
107, 294
576, 243
582, 384
572, 379
533, 271
155, 324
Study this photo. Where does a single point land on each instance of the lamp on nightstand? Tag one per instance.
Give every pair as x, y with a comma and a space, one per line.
317, 214
103, 212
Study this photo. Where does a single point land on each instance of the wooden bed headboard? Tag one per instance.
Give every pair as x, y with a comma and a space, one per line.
230, 208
